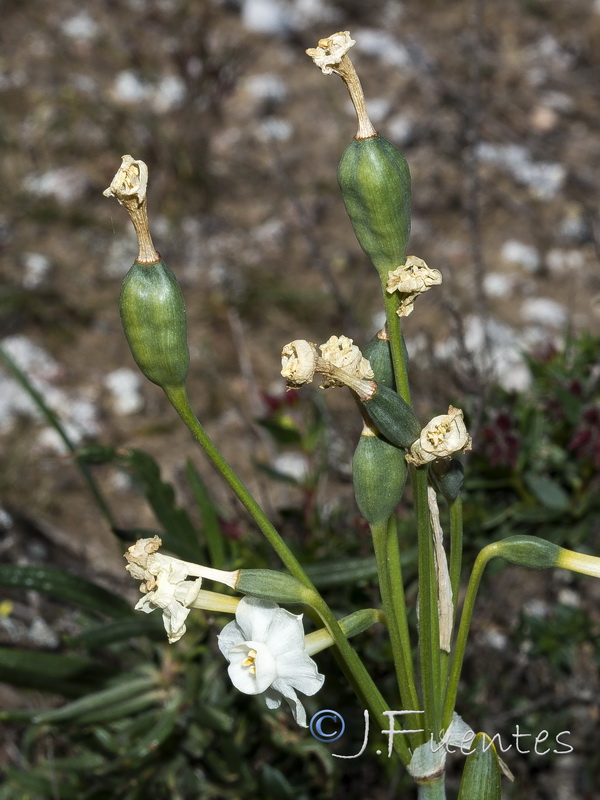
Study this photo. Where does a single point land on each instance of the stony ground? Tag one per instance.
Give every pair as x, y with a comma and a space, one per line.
495, 105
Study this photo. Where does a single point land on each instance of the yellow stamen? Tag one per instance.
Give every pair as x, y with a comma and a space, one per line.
249, 661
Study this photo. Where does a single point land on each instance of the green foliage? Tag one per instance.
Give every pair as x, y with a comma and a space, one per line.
535, 462
145, 718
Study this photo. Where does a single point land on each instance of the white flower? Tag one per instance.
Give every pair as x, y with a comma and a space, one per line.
164, 583
267, 655
410, 280
298, 362
441, 437
329, 52
174, 595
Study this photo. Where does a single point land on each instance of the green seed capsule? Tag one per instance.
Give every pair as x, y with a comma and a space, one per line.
379, 473
375, 183
379, 354
154, 320
447, 476
393, 417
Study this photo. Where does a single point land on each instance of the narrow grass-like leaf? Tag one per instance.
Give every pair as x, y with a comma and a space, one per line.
63, 586
147, 625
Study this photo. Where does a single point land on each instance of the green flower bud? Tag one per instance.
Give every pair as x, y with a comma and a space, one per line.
379, 473
526, 551
372, 173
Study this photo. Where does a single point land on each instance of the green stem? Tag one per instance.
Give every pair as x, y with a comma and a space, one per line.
456, 542
358, 675
387, 554
481, 561
433, 790
456, 537
396, 345
179, 399
429, 634
53, 420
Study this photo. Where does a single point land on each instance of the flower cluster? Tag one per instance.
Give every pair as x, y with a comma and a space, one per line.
341, 363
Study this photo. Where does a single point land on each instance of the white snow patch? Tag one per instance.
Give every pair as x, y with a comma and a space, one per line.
561, 261
266, 87
292, 464
65, 184
525, 255
124, 385
496, 284
543, 178
383, 45
504, 355
36, 266
400, 129
275, 129
81, 26
78, 414
544, 311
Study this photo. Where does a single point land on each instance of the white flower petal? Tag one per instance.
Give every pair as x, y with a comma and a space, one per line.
272, 698
285, 633
293, 702
298, 669
254, 617
230, 636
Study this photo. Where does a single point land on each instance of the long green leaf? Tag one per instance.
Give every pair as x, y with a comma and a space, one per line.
51, 672
64, 586
96, 702
148, 625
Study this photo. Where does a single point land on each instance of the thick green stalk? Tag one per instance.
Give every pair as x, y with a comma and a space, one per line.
434, 790
387, 554
360, 678
429, 634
